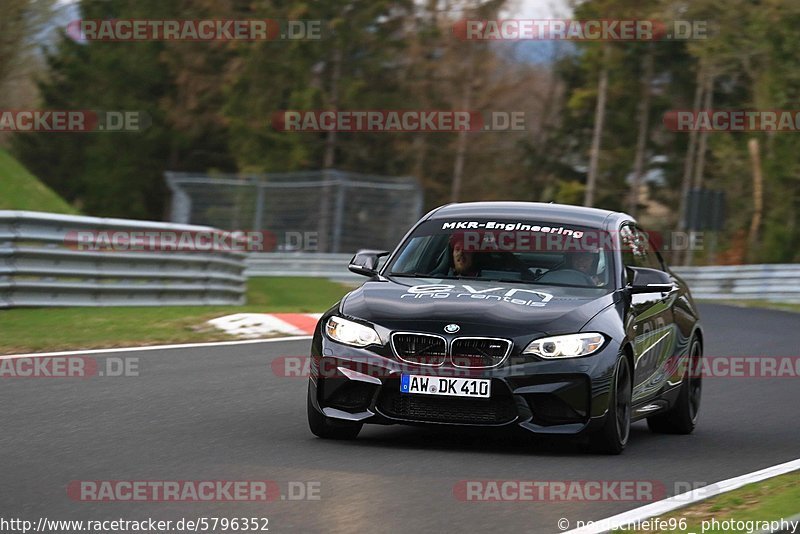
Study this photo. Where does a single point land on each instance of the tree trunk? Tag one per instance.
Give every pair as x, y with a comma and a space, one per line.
758, 198
688, 164
549, 108
599, 117
641, 140
329, 157
701, 152
461, 142
700, 166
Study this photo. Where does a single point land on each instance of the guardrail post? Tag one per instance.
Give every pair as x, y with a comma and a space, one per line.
341, 191
258, 218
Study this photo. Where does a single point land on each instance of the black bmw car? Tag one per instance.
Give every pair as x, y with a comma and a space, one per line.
555, 319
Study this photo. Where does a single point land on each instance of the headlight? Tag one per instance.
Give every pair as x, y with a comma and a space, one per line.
569, 346
351, 333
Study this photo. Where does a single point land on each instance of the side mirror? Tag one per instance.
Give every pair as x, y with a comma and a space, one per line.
644, 280
365, 262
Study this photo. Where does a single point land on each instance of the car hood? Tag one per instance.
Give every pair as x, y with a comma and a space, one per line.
478, 307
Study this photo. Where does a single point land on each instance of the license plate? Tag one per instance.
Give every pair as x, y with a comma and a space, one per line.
454, 387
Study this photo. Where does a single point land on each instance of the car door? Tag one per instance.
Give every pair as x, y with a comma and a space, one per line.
652, 317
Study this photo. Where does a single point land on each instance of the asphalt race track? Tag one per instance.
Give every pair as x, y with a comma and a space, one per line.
220, 413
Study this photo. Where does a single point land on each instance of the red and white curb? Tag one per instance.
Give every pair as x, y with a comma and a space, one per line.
253, 325
249, 326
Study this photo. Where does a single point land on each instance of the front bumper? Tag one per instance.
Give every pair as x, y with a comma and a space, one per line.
546, 397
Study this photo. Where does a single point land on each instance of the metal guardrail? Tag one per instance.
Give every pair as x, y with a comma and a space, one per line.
42, 264
775, 282
309, 264
772, 282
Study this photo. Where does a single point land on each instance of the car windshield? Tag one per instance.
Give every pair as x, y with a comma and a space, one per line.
530, 251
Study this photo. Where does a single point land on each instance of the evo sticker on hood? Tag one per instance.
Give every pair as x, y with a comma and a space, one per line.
521, 297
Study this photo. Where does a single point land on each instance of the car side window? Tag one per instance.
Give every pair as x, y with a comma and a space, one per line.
637, 250
655, 253
410, 257
650, 257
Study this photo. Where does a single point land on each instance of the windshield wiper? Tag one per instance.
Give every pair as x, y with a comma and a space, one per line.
537, 283
438, 276
509, 280
480, 279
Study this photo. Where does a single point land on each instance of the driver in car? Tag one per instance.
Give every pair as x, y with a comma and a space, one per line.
463, 261
586, 263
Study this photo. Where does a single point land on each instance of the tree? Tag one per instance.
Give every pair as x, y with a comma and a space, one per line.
121, 174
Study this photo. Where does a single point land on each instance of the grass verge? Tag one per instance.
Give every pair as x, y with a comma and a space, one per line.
48, 329
768, 304
768, 500
20, 190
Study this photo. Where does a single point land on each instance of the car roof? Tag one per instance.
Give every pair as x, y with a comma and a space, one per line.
551, 213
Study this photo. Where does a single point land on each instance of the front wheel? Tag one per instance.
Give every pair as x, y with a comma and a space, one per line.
328, 428
682, 418
613, 437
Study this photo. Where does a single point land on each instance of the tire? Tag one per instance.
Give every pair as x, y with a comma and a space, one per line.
326, 427
682, 418
616, 431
